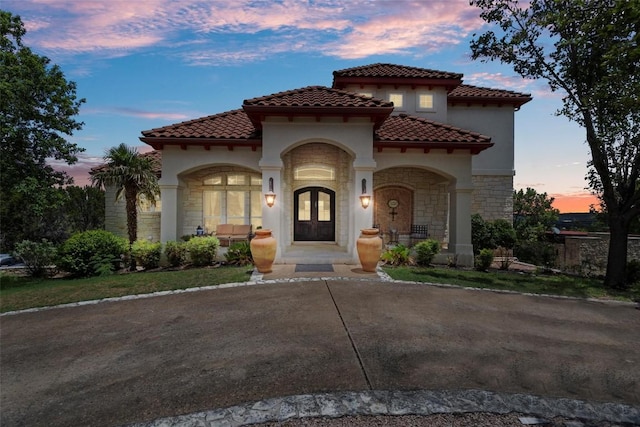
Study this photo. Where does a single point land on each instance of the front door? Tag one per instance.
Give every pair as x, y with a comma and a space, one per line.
314, 214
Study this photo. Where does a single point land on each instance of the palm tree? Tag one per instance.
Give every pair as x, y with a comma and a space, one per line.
133, 176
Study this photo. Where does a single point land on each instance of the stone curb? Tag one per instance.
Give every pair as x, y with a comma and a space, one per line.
257, 279
379, 402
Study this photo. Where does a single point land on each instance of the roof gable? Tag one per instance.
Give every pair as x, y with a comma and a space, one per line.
316, 101
468, 94
404, 131
392, 74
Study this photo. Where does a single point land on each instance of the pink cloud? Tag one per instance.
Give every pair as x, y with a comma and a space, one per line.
133, 112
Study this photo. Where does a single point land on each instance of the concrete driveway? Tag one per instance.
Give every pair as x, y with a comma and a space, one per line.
129, 361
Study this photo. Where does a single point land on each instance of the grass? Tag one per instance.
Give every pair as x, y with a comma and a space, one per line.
552, 284
18, 293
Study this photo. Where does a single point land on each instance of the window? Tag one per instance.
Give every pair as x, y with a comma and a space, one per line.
425, 101
213, 180
232, 199
314, 173
398, 100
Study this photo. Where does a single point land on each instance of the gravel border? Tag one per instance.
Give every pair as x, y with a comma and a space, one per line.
401, 403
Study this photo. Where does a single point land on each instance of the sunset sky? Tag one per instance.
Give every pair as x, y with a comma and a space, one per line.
149, 63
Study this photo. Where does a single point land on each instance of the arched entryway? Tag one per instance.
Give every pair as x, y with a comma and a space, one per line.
314, 214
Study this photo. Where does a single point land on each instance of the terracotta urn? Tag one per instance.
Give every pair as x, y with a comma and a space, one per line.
263, 250
369, 246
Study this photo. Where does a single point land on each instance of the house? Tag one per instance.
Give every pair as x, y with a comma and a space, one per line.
428, 149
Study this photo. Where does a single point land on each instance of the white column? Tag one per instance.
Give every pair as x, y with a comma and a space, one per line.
460, 224
170, 219
272, 217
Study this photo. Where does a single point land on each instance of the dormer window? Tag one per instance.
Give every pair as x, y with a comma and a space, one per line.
398, 99
425, 102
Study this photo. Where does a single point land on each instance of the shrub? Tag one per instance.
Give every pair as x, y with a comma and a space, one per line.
92, 253
503, 234
535, 252
484, 259
38, 257
397, 255
480, 234
176, 253
239, 253
633, 273
202, 250
426, 251
147, 254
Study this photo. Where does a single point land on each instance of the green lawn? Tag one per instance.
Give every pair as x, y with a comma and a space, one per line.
18, 293
553, 284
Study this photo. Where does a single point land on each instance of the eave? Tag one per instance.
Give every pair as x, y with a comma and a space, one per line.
258, 113
426, 147
486, 101
413, 82
206, 143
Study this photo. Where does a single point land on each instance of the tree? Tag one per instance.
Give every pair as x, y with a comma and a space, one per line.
588, 49
132, 175
37, 109
533, 214
84, 208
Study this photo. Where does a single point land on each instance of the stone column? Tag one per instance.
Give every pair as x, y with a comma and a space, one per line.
171, 218
460, 224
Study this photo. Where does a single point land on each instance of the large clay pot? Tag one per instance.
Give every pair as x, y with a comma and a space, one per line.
369, 246
263, 250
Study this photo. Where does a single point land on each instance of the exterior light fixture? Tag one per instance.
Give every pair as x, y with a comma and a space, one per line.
270, 197
365, 199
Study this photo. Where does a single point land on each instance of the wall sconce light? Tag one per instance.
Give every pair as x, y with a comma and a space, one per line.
365, 199
270, 197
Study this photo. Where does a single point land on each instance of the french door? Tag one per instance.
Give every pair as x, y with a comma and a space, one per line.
314, 214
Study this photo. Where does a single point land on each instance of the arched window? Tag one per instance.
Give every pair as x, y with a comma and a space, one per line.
314, 173
232, 198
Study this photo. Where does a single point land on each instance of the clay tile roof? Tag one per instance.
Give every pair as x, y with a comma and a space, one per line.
468, 93
316, 96
233, 125
395, 71
406, 131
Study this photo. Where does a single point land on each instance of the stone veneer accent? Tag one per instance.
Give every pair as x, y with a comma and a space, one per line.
423, 198
492, 197
115, 218
319, 154
192, 194
588, 255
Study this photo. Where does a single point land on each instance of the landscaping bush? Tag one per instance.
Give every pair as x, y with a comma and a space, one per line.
484, 260
38, 257
202, 250
536, 253
633, 273
397, 255
426, 251
176, 253
480, 234
92, 253
239, 253
147, 254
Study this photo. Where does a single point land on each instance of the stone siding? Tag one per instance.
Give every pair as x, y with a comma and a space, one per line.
423, 198
588, 255
115, 218
319, 154
493, 197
